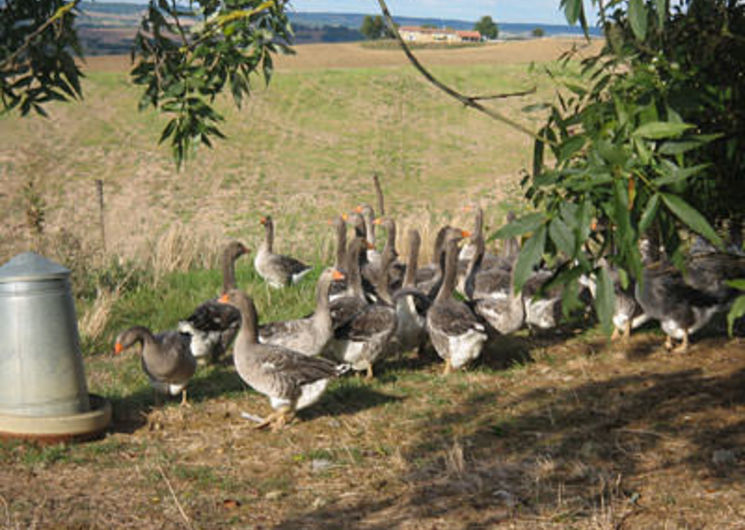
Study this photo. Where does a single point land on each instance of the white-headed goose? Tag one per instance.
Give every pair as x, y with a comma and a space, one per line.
166, 359
276, 269
213, 325
455, 332
307, 335
291, 380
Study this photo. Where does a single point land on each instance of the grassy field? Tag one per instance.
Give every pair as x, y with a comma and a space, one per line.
560, 430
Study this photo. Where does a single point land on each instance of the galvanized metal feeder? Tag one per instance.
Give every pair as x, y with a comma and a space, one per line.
43, 392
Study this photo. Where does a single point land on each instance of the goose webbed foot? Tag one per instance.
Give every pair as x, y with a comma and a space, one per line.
369, 375
184, 402
448, 367
683, 346
627, 331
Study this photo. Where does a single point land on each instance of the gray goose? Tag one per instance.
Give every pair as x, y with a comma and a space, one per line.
455, 332
307, 335
428, 278
368, 215
213, 325
338, 288
396, 268
680, 308
684, 303
343, 308
276, 269
410, 320
290, 379
492, 293
364, 338
166, 359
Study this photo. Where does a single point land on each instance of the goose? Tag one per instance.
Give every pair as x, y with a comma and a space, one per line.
343, 308
410, 331
492, 293
683, 303
307, 335
428, 278
338, 287
276, 269
396, 268
489, 260
455, 332
680, 308
166, 359
212, 325
365, 337
541, 311
291, 380
368, 216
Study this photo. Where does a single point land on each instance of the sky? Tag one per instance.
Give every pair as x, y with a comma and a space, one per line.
544, 11
526, 11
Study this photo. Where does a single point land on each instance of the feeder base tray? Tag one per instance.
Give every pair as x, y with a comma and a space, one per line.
53, 429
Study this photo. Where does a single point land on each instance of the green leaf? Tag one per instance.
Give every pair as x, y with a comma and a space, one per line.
657, 130
520, 226
529, 256
605, 300
638, 18
737, 284
677, 174
691, 217
571, 145
736, 311
572, 9
661, 6
678, 147
650, 212
562, 236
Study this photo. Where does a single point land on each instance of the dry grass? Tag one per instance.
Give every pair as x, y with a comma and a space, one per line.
584, 436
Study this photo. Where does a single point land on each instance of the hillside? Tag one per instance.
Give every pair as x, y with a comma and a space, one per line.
109, 28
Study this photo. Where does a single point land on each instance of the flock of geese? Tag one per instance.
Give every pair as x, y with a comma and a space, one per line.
370, 305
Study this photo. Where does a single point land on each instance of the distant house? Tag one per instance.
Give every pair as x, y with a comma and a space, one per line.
444, 35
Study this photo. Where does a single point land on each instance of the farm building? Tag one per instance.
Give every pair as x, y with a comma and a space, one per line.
446, 35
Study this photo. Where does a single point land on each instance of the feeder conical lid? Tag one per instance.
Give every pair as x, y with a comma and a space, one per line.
30, 266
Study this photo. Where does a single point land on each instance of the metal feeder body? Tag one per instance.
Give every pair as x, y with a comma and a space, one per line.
43, 392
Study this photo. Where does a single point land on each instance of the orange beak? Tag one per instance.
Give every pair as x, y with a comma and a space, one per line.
118, 348
263, 220
369, 245
358, 209
594, 225
465, 233
337, 275
345, 217
378, 221
224, 299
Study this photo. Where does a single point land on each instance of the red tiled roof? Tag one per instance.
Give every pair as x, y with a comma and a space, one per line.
469, 34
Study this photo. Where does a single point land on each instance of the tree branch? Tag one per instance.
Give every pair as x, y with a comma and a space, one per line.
61, 12
465, 100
